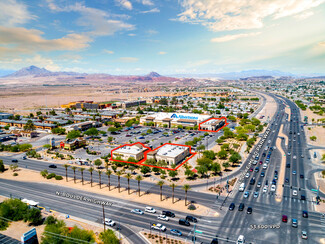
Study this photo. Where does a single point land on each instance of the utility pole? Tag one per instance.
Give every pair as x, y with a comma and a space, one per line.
103, 216
194, 233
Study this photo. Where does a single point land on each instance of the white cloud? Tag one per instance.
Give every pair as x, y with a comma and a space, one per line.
17, 40
132, 34
154, 10
129, 59
304, 15
98, 21
220, 15
108, 51
146, 2
40, 61
125, 4
14, 13
152, 32
162, 53
233, 37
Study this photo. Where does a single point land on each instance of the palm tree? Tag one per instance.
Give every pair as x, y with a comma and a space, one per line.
119, 173
139, 178
91, 169
160, 183
74, 173
100, 178
186, 187
173, 187
66, 166
82, 174
129, 177
108, 173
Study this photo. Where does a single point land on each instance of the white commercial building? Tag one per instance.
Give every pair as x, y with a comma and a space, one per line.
174, 119
171, 154
133, 151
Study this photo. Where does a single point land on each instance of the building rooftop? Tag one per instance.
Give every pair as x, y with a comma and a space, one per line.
134, 149
171, 150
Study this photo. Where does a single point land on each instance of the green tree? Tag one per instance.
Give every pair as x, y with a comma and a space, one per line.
128, 177
112, 129
235, 157
108, 237
66, 166
47, 146
29, 126
13, 209
145, 170
173, 173
33, 216
209, 154
74, 173
204, 162
313, 138
160, 184
119, 173
139, 179
109, 139
225, 147
226, 165
189, 173
222, 154
92, 132
186, 188
202, 170
98, 162
2, 167
91, 170
216, 168
73, 134
173, 189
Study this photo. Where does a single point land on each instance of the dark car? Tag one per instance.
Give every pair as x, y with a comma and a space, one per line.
53, 166
214, 241
257, 169
302, 197
14, 161
184, 222
264, 154
175, 232
252, 182
284, 218
168, 213
191, 218
301, 176
249, 210
288, 165
262, 174
232, 206
241, 207
305, 214
287, 180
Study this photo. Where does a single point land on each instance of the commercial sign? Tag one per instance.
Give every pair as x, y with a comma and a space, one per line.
29, 237
180, 116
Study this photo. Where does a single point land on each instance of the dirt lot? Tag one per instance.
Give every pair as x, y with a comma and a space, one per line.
151, 199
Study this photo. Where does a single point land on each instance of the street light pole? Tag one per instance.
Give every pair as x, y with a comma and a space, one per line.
194, 233
103, 217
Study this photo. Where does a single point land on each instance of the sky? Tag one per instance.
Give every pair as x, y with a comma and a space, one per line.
167, 36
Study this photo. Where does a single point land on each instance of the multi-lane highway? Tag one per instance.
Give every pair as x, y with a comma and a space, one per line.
263, 225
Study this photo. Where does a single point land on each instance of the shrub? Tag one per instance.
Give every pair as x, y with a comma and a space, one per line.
58, 177
2, 167
50, 220
50, 176
191, 207
3, 224
15, 174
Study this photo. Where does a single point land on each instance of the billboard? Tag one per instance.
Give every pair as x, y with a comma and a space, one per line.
29, 237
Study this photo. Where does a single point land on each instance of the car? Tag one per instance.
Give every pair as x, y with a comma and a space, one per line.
288, 165
191, 218
301, 176
289, 153
127, 135
274, 182
241, 239
14, 160
303, 197
249, 210
294, 193
150, 210
256, 194
262, 174
284, 218
265, 189
257, 169
24, 157
251, 169
184, 222
159, 227
247, 175
241, 207
302, 155
294, 172
232, 206
252, 182
265, 166
109, 222
259, 184
294, 156
261, 162
286, 180
273, 188
163, 217
141, 137
175, 232
52, 166
304, 234
137, 211
264, 154
168, 213
304, 214
294, 223
246, 194
214, 241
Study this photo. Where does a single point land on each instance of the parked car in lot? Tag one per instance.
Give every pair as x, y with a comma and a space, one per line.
175, 232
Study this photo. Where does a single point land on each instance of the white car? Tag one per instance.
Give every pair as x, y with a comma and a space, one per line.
159, 227
109, 222
294, 157
273, 188
265, 189
137, 211
264, 166
162, 217
150, 210
294, 193
247, 175
241, 239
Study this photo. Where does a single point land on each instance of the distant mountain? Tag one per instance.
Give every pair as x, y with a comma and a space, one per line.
153, 75
240, 75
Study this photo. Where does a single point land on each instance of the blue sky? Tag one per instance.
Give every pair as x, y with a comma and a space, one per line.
166, 36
